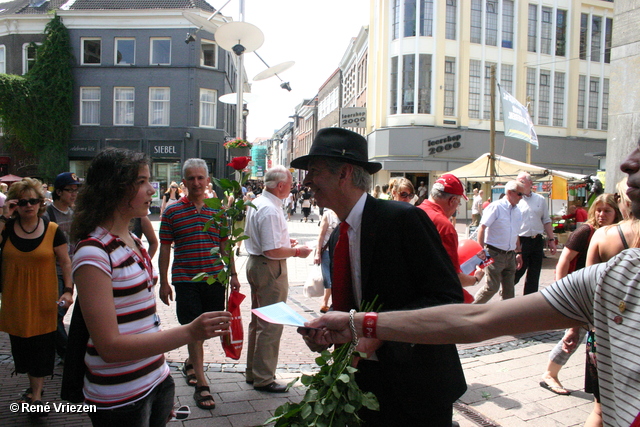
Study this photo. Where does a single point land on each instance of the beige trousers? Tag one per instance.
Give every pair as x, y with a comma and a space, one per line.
269, 285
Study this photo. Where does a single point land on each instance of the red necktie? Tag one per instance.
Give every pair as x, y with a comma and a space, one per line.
341, 285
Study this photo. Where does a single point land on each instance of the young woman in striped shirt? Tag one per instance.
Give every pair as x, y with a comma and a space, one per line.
127, 376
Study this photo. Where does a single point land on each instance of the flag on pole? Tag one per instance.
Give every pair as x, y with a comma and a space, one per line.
517, 122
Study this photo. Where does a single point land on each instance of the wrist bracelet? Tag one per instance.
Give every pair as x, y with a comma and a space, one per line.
352, 326
297, 254
369, 325
67, 289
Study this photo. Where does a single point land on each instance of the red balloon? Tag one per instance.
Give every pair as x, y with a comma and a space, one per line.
467, 249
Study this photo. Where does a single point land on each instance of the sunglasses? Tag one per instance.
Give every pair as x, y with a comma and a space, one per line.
406, 195
24, 202
518, 193
70, 190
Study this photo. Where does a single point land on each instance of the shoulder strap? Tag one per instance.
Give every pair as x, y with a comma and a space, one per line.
624, 241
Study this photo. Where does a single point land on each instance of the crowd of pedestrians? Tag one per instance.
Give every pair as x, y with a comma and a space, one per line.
87, 238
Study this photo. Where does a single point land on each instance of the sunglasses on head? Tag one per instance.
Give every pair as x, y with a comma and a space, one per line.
406, 195
33, 202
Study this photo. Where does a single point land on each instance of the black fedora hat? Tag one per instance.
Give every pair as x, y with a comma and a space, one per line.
340, 144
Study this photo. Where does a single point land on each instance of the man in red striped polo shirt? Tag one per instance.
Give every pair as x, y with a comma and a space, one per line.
183, 226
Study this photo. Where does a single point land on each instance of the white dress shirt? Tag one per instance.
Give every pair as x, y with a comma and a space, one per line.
535, 215
266, 226
354, 219
503, 224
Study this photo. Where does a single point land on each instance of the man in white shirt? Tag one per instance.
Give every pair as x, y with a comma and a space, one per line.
498, 231
268, 246
535, 222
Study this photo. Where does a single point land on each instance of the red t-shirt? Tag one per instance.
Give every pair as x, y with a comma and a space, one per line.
447, 231
448, 235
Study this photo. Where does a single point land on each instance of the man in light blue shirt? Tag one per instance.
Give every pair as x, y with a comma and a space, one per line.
498, 232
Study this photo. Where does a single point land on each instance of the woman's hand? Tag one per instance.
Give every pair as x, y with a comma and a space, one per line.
65, 300
210, 324
9, 207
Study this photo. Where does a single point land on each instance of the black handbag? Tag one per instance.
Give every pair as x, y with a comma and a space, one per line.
74, 366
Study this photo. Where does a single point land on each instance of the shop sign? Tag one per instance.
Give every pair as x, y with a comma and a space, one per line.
82, 148
165, 149
441, 145
353, 117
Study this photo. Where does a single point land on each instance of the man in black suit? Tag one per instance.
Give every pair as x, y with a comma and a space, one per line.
395, 254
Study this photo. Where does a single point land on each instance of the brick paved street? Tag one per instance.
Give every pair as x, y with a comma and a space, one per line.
502, 374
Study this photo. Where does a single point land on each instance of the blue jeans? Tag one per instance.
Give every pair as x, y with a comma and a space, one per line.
152, 411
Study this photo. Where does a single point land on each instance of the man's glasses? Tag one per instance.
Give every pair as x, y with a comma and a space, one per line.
517, 192
406, 195
24, 202
70, 190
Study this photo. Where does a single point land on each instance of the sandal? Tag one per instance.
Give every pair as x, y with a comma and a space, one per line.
201, 400
40, 409
191, 378
24, 397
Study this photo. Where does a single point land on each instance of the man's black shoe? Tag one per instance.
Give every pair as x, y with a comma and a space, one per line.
274, 387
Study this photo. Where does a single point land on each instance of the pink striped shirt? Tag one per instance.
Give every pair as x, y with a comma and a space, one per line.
111, 385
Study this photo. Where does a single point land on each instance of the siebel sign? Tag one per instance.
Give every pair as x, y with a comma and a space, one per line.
165, 150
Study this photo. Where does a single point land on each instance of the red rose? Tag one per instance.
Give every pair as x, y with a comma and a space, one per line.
239, 163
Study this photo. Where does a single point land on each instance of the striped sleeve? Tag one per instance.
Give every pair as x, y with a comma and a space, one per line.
573, 295
91, 252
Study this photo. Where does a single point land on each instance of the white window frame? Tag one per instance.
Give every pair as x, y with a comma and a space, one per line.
115, 51
84, 102
89, 39
204, 42
117, 102
25, 57
213, 103
3, 59
165, 113
151, 49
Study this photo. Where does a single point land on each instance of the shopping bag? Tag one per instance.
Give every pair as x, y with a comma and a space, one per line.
232, 343
314, 286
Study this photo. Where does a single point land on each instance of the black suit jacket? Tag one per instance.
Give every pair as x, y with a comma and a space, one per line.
404, 264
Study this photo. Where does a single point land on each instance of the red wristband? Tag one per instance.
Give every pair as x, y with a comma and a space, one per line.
369, 325
297, 254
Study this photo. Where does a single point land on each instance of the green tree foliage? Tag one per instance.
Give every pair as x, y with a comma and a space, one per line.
37, 107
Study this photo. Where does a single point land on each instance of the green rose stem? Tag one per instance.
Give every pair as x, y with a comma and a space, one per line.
224, 218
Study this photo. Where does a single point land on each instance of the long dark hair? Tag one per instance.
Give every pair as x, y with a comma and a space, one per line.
111, 178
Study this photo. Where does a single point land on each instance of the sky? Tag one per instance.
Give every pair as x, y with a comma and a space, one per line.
313, 33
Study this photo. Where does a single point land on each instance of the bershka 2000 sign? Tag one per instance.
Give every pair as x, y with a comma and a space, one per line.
444, 144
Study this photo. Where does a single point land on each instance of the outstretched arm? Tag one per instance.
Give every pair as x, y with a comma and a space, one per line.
447, 324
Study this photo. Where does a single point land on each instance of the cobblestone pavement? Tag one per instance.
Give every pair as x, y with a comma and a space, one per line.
502, 373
